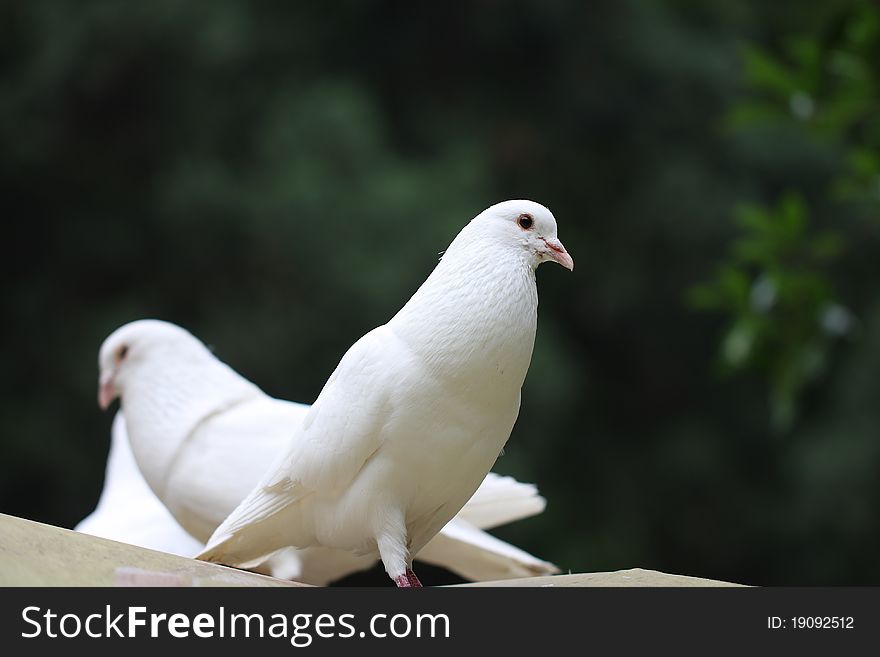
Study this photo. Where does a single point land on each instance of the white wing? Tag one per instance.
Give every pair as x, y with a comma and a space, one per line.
128, 511
478, 556
500, 500
340, 433
462, 546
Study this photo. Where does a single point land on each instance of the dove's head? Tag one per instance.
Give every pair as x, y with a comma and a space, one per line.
524, 225
132, 346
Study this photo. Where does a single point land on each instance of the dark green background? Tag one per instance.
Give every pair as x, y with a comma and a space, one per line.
279, 177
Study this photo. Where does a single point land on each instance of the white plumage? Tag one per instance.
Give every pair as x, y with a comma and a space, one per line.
416, 412
203, 436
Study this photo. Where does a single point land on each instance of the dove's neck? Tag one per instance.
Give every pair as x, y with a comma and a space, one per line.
474, 318
168, 399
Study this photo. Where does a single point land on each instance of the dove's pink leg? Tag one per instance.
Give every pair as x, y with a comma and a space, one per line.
413, 580
409, 580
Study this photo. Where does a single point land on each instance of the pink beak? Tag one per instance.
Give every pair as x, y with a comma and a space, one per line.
558, 253
106, 391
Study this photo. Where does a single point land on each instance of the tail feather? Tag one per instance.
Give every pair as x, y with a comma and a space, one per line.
500, 500
478, 556
247, 546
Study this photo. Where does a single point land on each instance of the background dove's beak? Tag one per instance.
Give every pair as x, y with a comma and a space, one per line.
558, 253
106, 390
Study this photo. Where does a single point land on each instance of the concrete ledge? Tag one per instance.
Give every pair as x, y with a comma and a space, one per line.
630, 577
34, 554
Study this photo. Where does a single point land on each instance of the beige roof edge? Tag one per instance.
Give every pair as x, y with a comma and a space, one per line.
36, 554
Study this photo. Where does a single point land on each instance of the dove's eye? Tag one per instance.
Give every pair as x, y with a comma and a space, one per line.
121, 353
525, 221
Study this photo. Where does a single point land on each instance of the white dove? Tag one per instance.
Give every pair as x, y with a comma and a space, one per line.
416, 412
203, 436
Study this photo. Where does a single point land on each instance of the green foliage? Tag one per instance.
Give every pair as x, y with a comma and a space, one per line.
775, 284
782, 308
828, 86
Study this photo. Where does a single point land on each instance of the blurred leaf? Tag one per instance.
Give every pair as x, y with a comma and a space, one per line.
748, 114
792, 215
766, 73
806, 53
738, 344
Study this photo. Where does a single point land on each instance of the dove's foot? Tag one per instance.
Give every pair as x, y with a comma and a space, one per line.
413, 580
407, 581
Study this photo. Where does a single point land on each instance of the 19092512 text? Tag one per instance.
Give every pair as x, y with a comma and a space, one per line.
810, 623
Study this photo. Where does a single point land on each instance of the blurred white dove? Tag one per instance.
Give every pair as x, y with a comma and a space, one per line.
203, 436
416, 412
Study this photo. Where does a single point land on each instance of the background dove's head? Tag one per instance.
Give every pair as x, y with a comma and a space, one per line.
132, 346
525, 226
